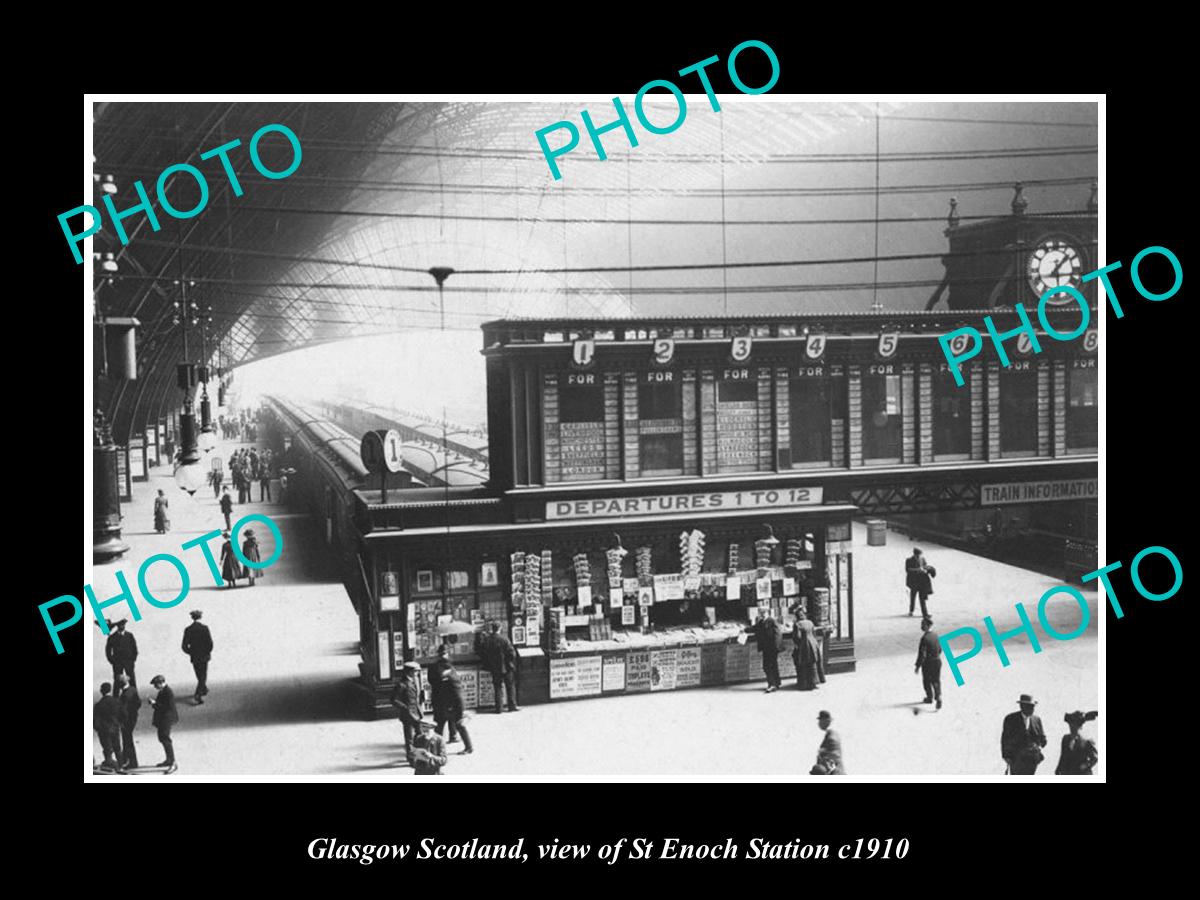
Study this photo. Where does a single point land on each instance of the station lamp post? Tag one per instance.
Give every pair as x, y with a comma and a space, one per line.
189, 474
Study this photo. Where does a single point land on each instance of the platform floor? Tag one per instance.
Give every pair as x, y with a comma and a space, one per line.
282, 701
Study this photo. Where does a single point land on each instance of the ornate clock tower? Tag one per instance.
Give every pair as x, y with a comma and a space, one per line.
1017, 258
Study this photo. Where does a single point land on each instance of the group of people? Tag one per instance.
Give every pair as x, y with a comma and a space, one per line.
807, 651
247, 466
1022, 739
115, 715
424, 747
243, 426
233, 568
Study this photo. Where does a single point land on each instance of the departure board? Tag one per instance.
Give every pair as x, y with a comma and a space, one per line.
737, 422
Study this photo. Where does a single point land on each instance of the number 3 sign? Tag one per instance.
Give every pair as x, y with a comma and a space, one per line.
740, 349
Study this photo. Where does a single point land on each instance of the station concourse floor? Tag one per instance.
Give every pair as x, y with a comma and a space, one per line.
281, 700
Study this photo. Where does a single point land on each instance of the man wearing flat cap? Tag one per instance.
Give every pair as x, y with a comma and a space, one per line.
1022, 739
429, 751
829, 755
406, 697
929, 662
106, 720
198, 644
121, 651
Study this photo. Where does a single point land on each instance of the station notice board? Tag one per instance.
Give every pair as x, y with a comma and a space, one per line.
659, 669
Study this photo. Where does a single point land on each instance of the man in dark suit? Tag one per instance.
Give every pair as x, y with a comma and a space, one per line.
130, 703
499, 657
121, 652
829, 756
767, 635
227, 501
929, 662
165, 718
1022, 739
920, 584
406, 697
198, 644
106, 720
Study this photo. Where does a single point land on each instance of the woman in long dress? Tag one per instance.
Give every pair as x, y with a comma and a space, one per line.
162, 521
805, 651
230, 567
250, 551
1079, 754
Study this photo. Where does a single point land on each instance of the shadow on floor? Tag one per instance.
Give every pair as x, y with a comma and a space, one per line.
270, 701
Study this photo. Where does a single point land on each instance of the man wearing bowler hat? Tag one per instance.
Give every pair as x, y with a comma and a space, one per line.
406, 697
1022, 739
829, 755
198, 644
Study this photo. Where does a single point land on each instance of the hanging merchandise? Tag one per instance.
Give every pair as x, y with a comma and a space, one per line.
517, 563
762, 554
613, 560
547, 567
691, 552
645, 566
583, 571
733, 559
795, 552
533, 575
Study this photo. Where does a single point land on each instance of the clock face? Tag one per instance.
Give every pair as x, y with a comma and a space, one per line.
1054, 263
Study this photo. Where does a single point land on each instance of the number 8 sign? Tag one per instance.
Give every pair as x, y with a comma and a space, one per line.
1091, 340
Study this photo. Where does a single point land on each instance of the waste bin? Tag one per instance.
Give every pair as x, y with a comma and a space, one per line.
876, 532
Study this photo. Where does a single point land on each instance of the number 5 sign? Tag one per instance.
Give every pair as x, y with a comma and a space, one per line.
889, 341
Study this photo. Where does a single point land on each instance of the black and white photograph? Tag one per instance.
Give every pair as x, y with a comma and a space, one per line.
600, 433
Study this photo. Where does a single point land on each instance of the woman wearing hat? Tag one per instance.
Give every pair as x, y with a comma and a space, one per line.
162, 522
250, 552
1079, 754
230, 567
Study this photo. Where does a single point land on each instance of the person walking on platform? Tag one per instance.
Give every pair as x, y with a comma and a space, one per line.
829, 755
499, 658
227, 508
767, 635
166, 715
429, 751
231, 569
121, 651
806, 651
1078, 756
447, 699
918, 575
406, 697
1022, 739
162, 520
130, 703
106, 720
198, 644
250, 551
929, 662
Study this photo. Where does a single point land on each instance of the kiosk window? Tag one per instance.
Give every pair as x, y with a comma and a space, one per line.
881, 418
1081, 409
951, 417
737, 426
660, 428
1018, 412
814, 407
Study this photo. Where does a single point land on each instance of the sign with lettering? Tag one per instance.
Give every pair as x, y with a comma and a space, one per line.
637, 671
576, 676
487, 692
1038, 491
814, 347
688, 667
664, 351
724, 501
613, 678
889, 341
469, 678
663, 669
1091, 340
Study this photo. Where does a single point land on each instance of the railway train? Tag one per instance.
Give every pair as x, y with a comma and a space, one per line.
435, 456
